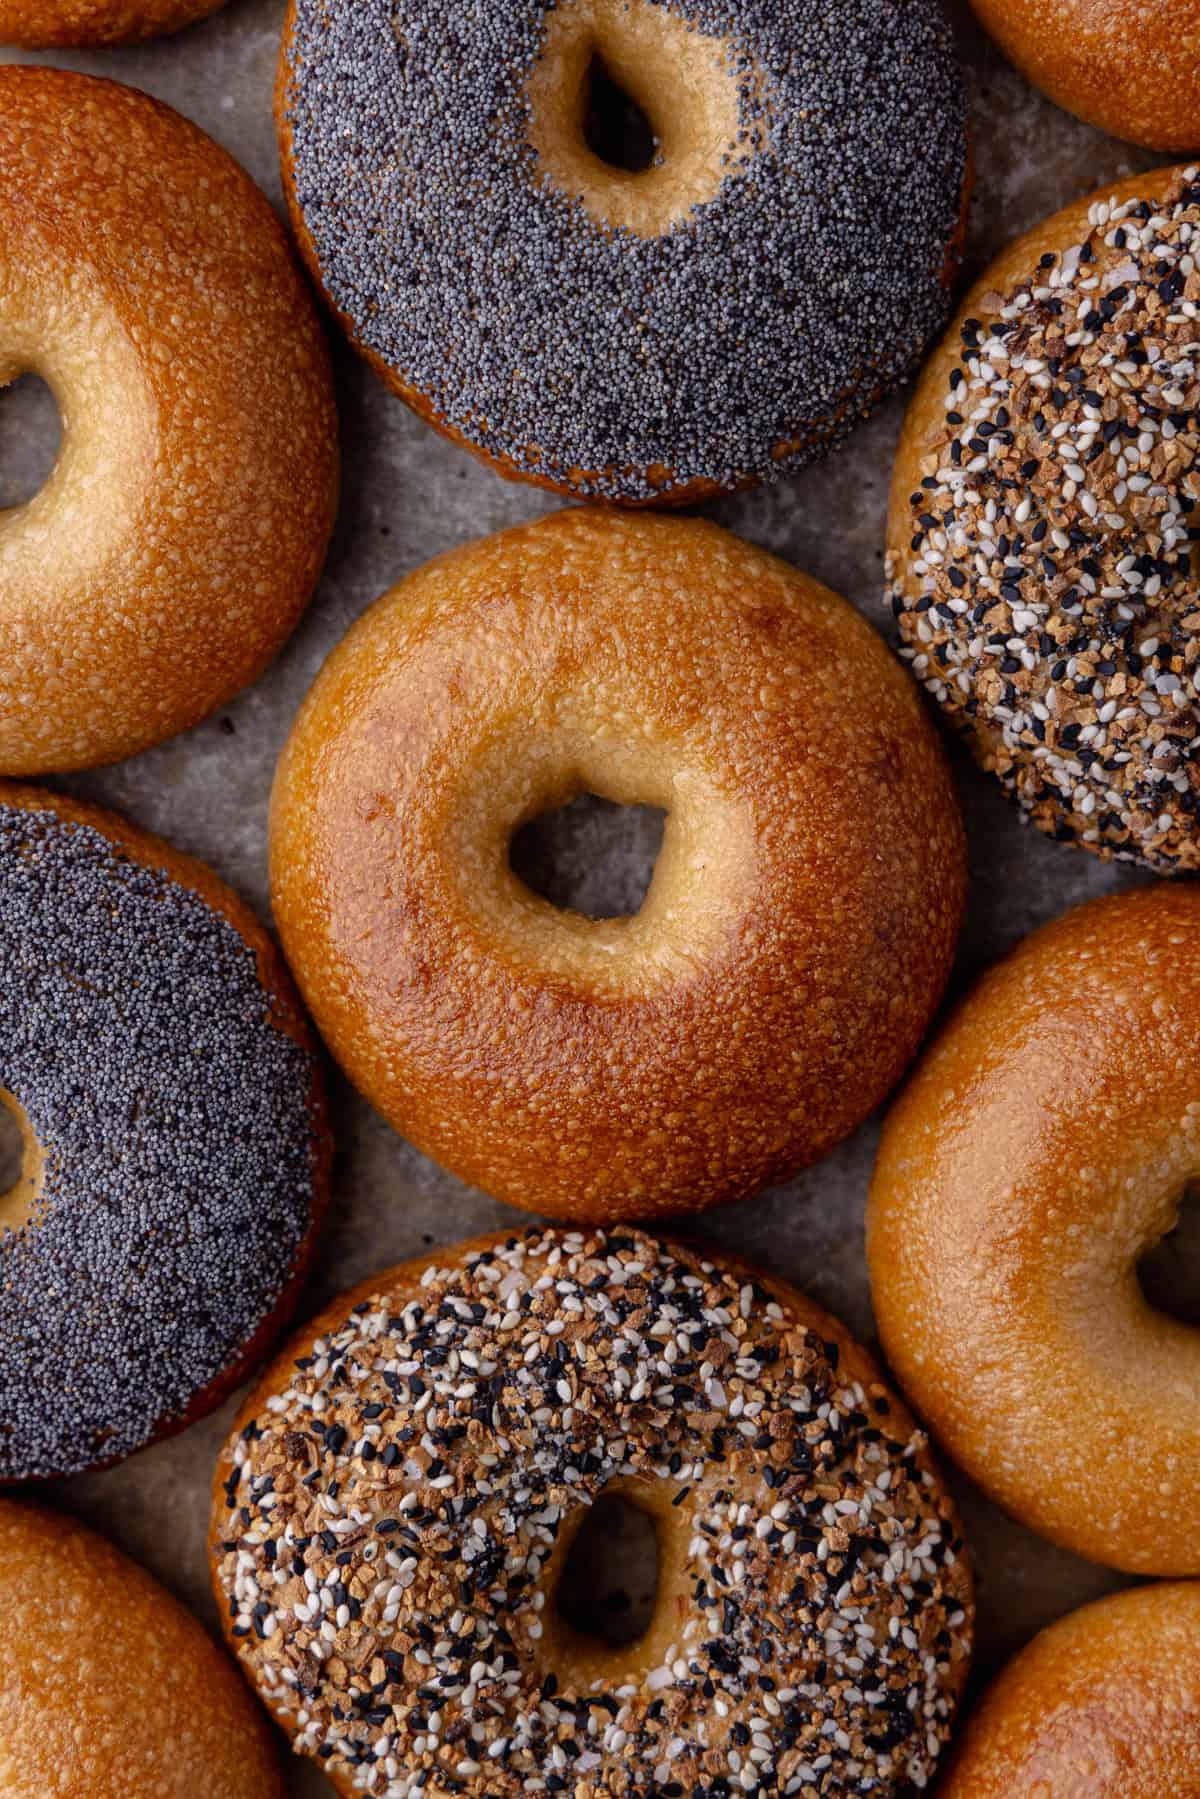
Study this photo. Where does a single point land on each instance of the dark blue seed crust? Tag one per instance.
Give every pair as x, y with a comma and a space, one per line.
176, 1123
777, 312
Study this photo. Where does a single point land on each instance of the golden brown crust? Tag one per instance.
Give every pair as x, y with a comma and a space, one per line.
148, 851
76, 24
579, 1664
1103, 1705
1041, 1147
180, 534
1132, 67
803, 914
109, 1687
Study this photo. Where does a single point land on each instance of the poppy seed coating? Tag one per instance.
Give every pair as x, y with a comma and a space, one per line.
176, 1126
736, 346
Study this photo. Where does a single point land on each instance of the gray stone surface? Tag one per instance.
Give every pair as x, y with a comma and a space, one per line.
408, 495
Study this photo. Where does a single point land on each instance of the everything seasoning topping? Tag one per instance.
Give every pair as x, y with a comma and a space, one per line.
175, 1123
774, 312
389, 1522
1050, 595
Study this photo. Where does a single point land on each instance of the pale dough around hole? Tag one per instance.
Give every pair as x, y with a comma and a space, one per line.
19, 1203
683, 83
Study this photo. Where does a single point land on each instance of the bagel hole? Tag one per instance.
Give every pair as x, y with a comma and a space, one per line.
19, 1173
591, 856
609, 1584
1170, 1272
615, 128
30, 439
12, 1151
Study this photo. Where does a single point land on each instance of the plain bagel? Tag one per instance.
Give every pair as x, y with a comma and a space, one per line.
1105, 1704
75, 24
108, 1688
1041, 1148
1131, 67
803, 913
181, 531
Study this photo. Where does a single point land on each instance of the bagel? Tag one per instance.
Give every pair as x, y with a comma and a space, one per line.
181, 531
719, 317
1130, 67
82, 24
108, 1688
1042, 1146
1103, 1705
176, 1154
1044, 519
802, 917
394, 1508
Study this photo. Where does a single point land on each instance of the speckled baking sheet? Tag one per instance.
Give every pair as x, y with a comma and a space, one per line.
408, 495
